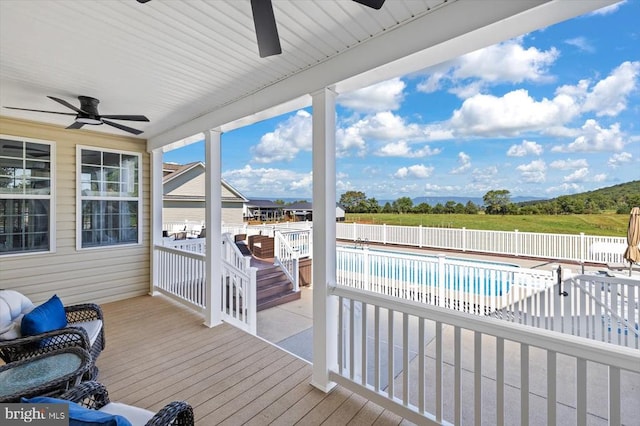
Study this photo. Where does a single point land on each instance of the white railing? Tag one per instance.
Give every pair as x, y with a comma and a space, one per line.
239, 297
192, 228
579, 248
195, 245
590, 306
288, 259
181, 274
299, 240
437, 366
464, 285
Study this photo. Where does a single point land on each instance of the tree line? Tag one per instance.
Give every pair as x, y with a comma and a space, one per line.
619, 198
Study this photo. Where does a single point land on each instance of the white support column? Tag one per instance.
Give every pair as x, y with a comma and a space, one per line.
325, 306
213, 221
156, 215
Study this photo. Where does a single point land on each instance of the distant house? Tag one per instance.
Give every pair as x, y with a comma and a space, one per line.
304, 211
183, 195
263, 210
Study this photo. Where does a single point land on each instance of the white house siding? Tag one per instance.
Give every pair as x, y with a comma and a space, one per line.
193, 211
95, 275
231, 212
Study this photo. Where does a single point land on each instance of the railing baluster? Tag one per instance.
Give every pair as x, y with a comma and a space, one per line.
581, 389
614, 396
551, 387
405, 358
500, 381
524, 384
457, 381
477, 372
439, 364
390, 357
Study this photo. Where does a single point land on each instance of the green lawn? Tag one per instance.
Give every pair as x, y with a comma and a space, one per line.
606, 224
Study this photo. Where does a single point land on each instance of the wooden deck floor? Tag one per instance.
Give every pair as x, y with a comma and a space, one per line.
158, 351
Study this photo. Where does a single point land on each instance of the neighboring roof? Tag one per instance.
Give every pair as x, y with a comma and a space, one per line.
303, 205
264, 204
172, 171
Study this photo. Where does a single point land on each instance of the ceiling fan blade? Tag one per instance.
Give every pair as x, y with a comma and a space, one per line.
39, 110
68, 105
121, 127
142, 1
126, 117
75, 125
266, 28
375, 4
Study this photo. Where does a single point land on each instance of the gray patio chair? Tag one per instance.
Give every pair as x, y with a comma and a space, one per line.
85, 329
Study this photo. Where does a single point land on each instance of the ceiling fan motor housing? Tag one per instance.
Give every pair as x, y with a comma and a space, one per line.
89, 106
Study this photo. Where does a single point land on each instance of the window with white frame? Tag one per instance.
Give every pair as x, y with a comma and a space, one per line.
109, 199
26, 195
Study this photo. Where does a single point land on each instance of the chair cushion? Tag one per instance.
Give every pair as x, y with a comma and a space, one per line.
92, 328
82, 416
137, 416
12, 304
46, 317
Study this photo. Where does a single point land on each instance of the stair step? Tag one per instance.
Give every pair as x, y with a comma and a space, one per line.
274, 290
278, 300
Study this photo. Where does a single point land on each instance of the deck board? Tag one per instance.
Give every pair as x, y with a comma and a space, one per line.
159, 351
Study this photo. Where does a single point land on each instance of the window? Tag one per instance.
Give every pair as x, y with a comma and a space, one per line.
26, 195
109, 200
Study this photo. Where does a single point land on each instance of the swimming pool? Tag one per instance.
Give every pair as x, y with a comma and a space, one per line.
406, 270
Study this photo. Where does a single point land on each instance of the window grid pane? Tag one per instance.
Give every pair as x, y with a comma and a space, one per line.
25, 196
110, 202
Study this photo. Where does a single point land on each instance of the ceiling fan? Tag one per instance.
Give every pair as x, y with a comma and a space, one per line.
88, 114
266, 28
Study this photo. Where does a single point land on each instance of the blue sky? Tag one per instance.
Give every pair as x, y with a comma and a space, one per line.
554, 112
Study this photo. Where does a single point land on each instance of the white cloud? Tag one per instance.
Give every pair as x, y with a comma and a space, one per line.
601, 177
417, 171
431, 188
581, 43
617, 159
609, 96
524, 149
608, 10
384, 96
569, 164
464, 161
286, 141
507, 62
511, 114
565, 188
534, 172
486, 176
402, 149
269, 181
579, 175
389, 126
595, 138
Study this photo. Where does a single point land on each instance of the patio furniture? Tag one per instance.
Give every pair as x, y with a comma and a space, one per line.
82, 327
94, 395
51, 373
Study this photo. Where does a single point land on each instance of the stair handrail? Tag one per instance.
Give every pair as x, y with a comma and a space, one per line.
232, 254
288, 259
607, 309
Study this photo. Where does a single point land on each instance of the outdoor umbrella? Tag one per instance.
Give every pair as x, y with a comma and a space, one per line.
632, 253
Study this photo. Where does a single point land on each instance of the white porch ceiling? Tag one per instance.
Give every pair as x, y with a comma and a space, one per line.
194, 65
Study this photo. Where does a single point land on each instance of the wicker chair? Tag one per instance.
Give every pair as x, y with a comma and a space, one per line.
94, 395
74, 335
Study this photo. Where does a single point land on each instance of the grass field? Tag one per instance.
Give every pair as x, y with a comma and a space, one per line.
606, 224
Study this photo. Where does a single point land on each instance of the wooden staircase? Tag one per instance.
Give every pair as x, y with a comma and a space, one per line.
274, 288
